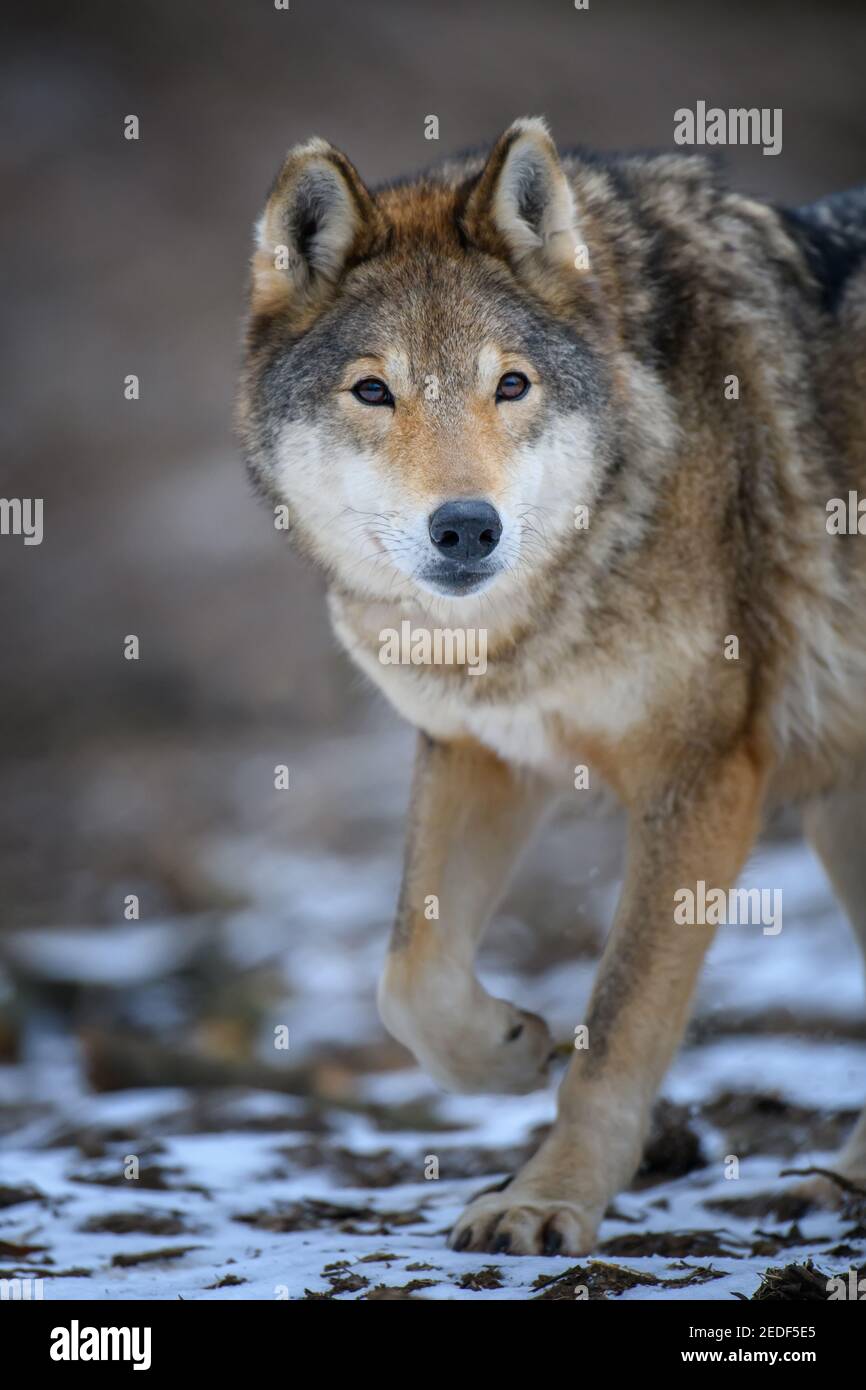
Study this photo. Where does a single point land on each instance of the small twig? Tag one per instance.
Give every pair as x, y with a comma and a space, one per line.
555, 1278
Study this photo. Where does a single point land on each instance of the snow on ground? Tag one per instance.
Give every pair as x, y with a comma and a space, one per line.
249, 1194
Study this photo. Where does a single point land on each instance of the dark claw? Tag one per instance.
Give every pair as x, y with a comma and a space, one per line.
502, 1244
552, 1242
463, 1239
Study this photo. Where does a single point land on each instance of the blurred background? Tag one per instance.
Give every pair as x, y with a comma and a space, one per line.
154, 777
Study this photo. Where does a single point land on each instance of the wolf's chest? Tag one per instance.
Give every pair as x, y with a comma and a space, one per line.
581, 715
519, 734
557, 731
564, 733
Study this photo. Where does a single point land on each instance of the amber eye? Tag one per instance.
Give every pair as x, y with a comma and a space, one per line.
512, 386
372, 391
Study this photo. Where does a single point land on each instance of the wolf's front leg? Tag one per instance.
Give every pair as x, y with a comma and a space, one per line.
637, 1014
470, 816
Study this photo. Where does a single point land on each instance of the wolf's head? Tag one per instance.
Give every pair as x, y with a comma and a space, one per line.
430, 368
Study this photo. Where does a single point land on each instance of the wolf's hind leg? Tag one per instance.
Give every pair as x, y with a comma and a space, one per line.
470, 816
836, 829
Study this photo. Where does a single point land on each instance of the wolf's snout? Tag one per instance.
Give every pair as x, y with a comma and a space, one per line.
465, 531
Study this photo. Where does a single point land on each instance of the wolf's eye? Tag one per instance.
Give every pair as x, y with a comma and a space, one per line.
372, 391
512, 386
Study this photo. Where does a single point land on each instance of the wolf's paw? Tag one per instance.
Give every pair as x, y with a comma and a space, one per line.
510, 1224
502, 1050
468, 1041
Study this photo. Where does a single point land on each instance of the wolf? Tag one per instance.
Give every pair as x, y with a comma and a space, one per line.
597, 407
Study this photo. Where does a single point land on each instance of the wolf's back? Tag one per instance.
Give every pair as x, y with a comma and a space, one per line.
832, 232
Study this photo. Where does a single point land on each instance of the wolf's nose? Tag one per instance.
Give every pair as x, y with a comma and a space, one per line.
465, 530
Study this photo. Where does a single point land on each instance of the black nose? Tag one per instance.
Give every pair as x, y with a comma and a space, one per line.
465, 531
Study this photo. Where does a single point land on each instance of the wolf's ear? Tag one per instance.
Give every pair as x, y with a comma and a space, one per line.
522, 205
319, 217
